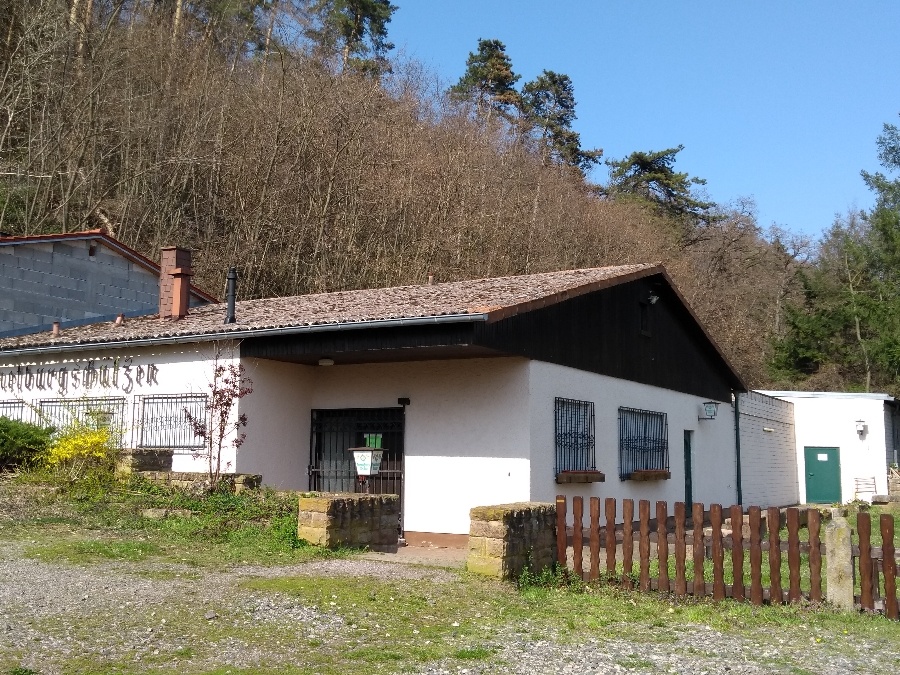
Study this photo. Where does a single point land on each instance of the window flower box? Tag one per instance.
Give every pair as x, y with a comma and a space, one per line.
580, 477
651, 474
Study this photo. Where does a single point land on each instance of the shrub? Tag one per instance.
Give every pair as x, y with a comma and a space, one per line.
22, 443
79, 447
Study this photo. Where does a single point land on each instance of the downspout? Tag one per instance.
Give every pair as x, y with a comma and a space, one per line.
737, 445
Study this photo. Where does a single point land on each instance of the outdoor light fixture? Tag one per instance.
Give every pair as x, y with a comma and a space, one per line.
710, 410
326, 362
861, 427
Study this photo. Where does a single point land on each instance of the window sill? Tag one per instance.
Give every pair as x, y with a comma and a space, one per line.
580, 477
650, 474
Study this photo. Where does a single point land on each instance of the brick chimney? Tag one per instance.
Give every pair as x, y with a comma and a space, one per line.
174, 282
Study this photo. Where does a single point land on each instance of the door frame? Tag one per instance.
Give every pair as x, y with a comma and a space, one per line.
688, 469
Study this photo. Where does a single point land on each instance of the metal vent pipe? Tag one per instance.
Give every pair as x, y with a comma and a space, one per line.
231, 294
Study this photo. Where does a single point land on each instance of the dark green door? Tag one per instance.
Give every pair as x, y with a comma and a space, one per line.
688, 472
823, 475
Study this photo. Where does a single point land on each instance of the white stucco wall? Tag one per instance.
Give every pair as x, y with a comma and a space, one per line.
713, 440
467, 432
177, 369
829, 421
278, 423
768, 451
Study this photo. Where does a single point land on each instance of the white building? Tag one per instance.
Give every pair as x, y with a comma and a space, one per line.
844, 443
479, 392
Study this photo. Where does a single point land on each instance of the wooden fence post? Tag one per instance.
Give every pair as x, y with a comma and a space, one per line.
864, 529
610, 536
578, 536
839, 561
813, 523
680, 550
595, 538
737, 552
773, 522
662, 545
562, 542
699, 551
718, 551
644, 545
889, 566
755, 523
793, 525
627, 542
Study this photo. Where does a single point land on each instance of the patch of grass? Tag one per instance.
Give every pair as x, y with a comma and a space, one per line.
473, 653
635, 662
21, 670
92, 551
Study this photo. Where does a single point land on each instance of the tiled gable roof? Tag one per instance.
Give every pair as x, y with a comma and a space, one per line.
494, 297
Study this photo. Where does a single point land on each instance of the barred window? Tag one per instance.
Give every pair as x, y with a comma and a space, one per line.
574, 428
162, 421
643, 442
15, 410
95, 412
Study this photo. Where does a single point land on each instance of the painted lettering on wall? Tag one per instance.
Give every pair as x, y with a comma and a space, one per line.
103, 373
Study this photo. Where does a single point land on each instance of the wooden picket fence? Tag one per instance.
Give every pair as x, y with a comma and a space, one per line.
677, 536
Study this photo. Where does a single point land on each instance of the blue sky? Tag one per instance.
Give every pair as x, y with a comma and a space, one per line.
779, 101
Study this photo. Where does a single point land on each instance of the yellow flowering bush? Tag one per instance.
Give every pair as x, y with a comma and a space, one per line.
80, 445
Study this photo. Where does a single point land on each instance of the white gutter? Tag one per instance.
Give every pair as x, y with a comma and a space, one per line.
245, 333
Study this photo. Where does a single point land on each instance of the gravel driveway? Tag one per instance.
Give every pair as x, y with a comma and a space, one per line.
57, 614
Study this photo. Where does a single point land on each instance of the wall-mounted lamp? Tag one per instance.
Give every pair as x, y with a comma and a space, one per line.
326, 362
861, 427
710, 410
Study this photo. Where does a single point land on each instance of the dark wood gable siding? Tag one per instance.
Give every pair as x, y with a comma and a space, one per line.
601, 332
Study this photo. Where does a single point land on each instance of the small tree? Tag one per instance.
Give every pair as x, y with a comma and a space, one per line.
219, 428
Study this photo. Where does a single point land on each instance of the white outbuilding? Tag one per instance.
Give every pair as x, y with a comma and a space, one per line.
845, 443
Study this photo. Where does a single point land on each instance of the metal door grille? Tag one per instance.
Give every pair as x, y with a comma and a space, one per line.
331, 467
643, 441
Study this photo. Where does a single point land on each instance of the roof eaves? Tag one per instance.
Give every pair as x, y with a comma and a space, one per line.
237, 334
570, 293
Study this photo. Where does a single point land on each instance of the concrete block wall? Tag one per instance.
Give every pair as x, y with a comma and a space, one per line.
61, 281
768, 451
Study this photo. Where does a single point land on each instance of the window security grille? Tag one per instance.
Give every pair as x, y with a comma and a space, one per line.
574, 429
15, 410
98, 411
162, 422
643, 441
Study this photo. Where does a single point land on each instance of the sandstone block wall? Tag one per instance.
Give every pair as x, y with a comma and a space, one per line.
503, 539
348, 519
131, 460
190, 480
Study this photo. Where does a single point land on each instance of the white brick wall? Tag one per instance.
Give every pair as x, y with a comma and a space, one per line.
768, 451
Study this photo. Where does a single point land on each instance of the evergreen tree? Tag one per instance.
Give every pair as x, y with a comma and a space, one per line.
548, 111
849, 320
355, 29
651, 176
489, 79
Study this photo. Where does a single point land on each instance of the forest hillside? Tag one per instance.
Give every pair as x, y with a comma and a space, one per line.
282, 137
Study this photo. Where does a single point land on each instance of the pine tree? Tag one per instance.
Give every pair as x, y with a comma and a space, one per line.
548, 111
489, 80
355, 29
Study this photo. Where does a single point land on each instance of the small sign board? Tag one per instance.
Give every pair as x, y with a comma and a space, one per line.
823, 457
368, 461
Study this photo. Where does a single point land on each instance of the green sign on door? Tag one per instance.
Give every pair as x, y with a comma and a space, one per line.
823, 475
